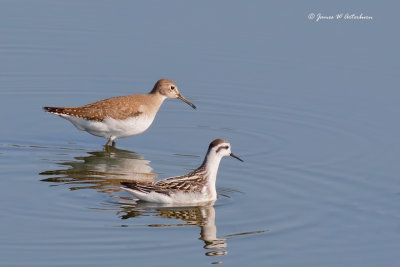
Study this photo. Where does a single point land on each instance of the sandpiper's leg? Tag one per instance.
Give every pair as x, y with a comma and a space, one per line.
108, 142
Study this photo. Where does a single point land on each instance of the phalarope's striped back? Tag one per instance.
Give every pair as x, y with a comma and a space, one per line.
197, 186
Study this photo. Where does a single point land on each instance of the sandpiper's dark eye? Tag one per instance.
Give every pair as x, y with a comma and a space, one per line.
172, 87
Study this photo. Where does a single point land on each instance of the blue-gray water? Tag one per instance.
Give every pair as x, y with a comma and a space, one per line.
312, 108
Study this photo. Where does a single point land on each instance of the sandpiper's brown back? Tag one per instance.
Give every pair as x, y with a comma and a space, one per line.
120, 108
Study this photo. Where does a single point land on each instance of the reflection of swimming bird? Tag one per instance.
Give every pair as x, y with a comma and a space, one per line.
122, 116
201, 216
195, 187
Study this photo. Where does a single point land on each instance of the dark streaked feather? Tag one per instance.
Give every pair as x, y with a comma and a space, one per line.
191, 182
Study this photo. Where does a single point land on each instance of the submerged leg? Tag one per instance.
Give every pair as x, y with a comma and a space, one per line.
108, 142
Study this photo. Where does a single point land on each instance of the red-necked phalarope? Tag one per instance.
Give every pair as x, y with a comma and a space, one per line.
197, 186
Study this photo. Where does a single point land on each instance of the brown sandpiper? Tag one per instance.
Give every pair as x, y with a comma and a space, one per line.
120, 116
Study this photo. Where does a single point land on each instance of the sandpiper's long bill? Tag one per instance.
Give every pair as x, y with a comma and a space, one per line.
195, 187
121, 116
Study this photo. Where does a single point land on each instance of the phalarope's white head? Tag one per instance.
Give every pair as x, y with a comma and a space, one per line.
121, 116
197, 186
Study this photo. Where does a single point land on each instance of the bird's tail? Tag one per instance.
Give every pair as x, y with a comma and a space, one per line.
55, 110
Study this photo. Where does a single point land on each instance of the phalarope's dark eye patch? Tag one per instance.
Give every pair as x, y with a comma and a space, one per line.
222, 147
172, 87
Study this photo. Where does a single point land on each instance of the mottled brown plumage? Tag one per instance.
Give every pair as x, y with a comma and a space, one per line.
120, 116
121, 108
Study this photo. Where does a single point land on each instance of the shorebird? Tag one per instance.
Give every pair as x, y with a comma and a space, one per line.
197, 186
121, 116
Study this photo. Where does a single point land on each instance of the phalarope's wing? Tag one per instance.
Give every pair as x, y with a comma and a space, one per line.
168, 186
146, 188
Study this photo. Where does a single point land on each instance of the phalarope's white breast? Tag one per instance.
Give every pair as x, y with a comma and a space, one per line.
197, 186
121, 116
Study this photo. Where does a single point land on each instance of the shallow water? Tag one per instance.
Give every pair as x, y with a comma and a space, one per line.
312, 108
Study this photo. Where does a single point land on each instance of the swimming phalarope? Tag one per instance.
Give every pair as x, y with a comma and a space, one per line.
197, 186
121, 116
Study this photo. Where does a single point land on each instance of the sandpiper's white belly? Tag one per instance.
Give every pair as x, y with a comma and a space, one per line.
112, 128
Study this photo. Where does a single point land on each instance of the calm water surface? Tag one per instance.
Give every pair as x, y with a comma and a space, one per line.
312, 108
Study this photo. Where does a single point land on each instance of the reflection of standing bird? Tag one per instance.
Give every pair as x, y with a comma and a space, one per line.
121, 116
103, 170
195, 187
